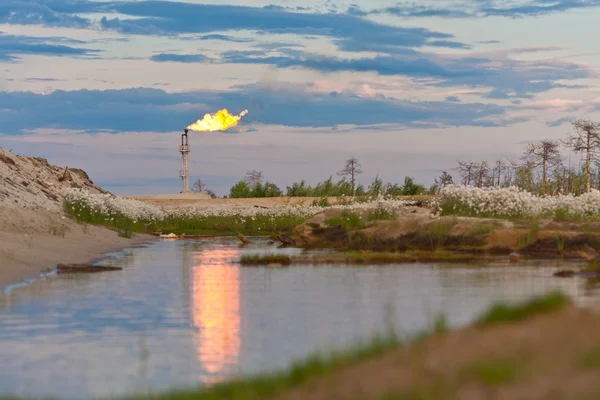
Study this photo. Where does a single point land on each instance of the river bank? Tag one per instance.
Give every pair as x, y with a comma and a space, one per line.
33, 242
35, 234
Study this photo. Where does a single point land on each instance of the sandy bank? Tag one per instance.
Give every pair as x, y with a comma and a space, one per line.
33, 241
34, 233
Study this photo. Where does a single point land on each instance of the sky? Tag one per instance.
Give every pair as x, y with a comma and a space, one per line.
408, 88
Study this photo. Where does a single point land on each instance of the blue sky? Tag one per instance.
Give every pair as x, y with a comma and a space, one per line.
407, 87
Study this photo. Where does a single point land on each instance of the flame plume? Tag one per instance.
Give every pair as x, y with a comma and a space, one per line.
219, 121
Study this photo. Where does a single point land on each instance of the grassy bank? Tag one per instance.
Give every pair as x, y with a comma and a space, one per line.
362, 257
220, 223
129, 216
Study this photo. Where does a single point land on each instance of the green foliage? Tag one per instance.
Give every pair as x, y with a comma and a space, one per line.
590, 358
322, 202
381, 214
259, 190
210, 225
439, 231
493, 372
481, 229
501, 313
264, 259
268, 385
376, 187
349, 220
240, 190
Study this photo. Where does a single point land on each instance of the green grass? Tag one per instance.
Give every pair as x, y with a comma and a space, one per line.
502, 312
481, 229
348, 221
438, 232
267, 385
265, 259
210, 225
590, 358
492, 372
382, 214
384, 257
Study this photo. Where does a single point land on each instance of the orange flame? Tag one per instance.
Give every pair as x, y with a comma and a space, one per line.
219, 121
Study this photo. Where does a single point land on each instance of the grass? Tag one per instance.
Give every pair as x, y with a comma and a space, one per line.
267, 385
481, 229
382, 214
348, 221
492, 372
265, 259
502, 312
384, 257
439, 232
260, 225
590, 358
353, 257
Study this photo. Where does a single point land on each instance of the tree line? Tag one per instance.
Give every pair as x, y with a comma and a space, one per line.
541, 169
254, 185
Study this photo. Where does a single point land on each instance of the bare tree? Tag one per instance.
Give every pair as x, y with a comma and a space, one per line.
198, 186
352, 168
482, 171
211, 193
543, 154
498, 170
466, 169
585, 139
253, 177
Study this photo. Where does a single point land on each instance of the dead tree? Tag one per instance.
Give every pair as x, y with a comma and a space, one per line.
466, 170
482, 171
585, 139
352, 168
198, 186
543, 154
253, 178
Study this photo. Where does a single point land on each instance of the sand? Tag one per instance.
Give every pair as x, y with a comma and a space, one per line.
35, 235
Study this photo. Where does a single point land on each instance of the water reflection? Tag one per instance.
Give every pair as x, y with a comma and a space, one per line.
215, 312
183, 313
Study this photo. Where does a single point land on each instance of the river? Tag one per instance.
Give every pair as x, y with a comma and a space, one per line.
184, 313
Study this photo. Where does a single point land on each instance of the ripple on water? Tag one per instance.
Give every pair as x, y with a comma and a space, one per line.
183, 313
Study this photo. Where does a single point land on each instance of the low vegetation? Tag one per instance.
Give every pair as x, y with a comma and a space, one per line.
261, 387
515, 204
265, 259
502, 312
128, 215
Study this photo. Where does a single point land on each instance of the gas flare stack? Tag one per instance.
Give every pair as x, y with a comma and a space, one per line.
184, 149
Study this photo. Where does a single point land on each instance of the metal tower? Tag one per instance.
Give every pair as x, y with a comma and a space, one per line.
184, 149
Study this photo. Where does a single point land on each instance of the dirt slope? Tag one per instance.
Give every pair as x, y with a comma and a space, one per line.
553, 356
34, 233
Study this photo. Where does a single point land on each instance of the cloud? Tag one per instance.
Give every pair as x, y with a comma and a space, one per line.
170, 18
183, 58
155, 110
507, 77
487, 8
38, 12
560, 121
453, 99
13, 45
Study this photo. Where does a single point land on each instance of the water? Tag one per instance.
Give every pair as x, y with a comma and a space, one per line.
183, 313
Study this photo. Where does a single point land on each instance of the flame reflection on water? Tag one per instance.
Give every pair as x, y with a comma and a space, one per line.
216, 312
